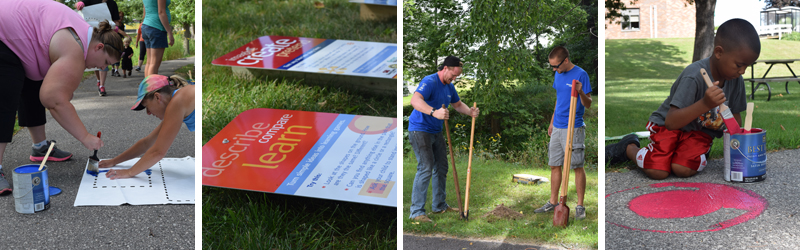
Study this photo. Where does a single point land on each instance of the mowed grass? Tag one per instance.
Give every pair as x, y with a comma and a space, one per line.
640, 72
234, 219
491, 185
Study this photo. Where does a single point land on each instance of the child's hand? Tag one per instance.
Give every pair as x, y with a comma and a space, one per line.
714, 96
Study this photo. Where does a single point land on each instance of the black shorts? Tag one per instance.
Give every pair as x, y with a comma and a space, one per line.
18, 94
142, 50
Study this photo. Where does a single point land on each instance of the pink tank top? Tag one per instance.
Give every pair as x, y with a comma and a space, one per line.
26, 27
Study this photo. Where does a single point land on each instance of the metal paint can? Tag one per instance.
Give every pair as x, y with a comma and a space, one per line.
31, 189
745, 156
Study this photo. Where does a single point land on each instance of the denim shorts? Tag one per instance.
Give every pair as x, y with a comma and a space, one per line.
154, 38
105, 69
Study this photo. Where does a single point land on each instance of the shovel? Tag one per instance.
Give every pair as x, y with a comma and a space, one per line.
465, 212
92, 164
561, 212
453, 160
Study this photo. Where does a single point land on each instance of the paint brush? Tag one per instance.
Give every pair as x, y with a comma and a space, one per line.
727, 116
46, 155
748, 121
93, 164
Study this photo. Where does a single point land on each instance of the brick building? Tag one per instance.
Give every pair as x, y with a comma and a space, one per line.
655, 19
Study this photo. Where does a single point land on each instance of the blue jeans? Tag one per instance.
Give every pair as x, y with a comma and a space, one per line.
431, 152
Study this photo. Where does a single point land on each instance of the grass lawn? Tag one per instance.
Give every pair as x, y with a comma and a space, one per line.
491, 186
640, 72
234, 219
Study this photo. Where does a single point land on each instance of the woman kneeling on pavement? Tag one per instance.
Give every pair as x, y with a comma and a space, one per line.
171, 99
44, 48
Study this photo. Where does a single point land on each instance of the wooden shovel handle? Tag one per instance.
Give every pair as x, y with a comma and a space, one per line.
573, 103
469, 162
453, 161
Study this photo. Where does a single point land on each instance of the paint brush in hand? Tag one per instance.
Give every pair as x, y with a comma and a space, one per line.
93, 163
727, 116
748, 121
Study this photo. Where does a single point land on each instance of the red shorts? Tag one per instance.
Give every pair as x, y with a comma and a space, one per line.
674, 146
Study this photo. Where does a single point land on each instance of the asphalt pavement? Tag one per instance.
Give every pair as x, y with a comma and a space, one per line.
705, 211
64, 226
415, 242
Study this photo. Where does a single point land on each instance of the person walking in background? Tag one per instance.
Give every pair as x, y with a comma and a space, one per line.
102, 73
141, 46
157, 33
127, 63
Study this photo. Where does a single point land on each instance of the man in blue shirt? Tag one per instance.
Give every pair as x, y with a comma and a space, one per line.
565, 73
424, 129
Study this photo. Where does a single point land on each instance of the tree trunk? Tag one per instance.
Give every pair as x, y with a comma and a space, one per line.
187, 34
704, 32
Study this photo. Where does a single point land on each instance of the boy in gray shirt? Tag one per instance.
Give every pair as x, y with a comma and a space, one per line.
684, 126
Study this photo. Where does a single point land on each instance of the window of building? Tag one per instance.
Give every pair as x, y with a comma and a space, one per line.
630, 19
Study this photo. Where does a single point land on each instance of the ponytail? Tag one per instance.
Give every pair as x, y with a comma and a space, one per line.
112, 43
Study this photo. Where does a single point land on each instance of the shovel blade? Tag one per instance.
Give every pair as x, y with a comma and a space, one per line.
561, 215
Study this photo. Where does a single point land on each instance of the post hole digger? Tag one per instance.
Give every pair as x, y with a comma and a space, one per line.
561, 211
453, 161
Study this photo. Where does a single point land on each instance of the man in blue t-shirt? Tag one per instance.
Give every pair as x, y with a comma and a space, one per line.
565, 73
424, 133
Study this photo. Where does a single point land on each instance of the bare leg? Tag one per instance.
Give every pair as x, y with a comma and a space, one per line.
654, 174
682, 171
555, 183
102, 77
153, 61
2, 151
580, 184
37, 133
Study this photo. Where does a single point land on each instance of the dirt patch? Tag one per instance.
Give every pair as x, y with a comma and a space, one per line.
501, 212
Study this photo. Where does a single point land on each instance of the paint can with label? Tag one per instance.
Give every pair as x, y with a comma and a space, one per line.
31, 189
745, 156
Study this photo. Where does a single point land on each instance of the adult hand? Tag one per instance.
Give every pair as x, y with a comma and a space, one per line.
442, 114
79, 5
550, 130
474, 111
578, 86
171, 39
119, 174
714, 96
92, 142
106, 164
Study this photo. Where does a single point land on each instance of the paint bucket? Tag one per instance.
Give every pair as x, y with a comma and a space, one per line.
746, 156
31, 189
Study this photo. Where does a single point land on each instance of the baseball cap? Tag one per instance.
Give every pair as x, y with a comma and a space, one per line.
452, 61
149, 84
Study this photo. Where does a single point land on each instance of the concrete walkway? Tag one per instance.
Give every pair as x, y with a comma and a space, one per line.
64, 226
705, 211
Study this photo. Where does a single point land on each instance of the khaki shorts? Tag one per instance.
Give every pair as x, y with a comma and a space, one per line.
558, 140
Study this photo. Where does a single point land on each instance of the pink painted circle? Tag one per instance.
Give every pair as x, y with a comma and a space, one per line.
696, 200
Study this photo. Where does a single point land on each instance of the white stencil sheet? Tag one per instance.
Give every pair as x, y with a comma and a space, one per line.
170, 181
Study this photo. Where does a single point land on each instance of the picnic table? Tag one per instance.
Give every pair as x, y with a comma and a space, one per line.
764, 80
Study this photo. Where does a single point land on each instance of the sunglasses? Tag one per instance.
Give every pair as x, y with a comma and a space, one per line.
559, 64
